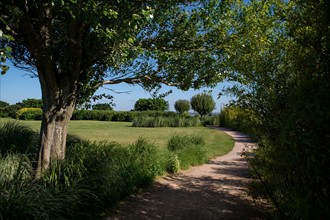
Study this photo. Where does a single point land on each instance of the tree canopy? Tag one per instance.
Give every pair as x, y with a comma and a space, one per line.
202, 103
182, 106
32, 103
74, 47
103, 106
151, 104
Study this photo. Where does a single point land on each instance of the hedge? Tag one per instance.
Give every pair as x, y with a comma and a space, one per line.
29, 114
122, 116
96, 115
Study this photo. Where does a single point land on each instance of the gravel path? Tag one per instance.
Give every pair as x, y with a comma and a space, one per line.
216, 190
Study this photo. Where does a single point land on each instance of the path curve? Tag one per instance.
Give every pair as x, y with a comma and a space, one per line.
216, 190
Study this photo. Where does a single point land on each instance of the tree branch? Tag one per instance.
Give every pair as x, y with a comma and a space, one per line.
135, 80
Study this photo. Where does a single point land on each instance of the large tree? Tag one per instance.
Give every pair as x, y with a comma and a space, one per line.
74, 47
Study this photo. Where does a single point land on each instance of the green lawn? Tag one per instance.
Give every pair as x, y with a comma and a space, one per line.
124, 133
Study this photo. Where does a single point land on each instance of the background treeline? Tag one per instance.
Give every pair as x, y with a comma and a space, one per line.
152, 112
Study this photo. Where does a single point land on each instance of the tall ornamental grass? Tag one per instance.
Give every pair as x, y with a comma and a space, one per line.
190, 150
146, 121
17, 138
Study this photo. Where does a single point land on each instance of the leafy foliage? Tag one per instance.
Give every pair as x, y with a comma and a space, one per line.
151, 104
106, 115
102, 106
32, 103
3, 104
182, 106
281, 60
75, 47
202, 103
29, 114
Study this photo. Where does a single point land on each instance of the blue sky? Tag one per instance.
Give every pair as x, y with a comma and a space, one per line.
16, 85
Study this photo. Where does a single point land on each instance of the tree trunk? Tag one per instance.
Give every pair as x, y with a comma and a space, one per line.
53, 135
59, 98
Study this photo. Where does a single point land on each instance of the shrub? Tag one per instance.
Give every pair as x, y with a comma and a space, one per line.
3, 112
211, 120
32, 103
103, 106
12, 110
125, 116
97, 115
236, 118
3, 104
173, 165
152, 104
182, 106
202, 103
29, 114
3, 109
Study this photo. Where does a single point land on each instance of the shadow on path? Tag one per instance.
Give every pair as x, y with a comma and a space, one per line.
216, 190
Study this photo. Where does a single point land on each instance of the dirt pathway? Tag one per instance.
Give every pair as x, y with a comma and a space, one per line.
216, 190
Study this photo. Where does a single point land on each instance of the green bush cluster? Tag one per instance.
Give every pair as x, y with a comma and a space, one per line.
29, 114
151, 104
237, 118
3, 112
124, 116
211, 120
93, 176
9, 111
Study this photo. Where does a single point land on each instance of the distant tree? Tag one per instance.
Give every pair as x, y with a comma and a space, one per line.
182, 106
32, 103
102, 106
3, 104
152, 104
202, 103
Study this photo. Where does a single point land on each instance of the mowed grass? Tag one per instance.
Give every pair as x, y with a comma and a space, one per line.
217, 141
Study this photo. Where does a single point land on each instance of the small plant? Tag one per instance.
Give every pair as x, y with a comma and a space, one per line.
173, 165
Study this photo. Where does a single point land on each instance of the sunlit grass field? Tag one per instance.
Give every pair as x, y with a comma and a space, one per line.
125, 134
